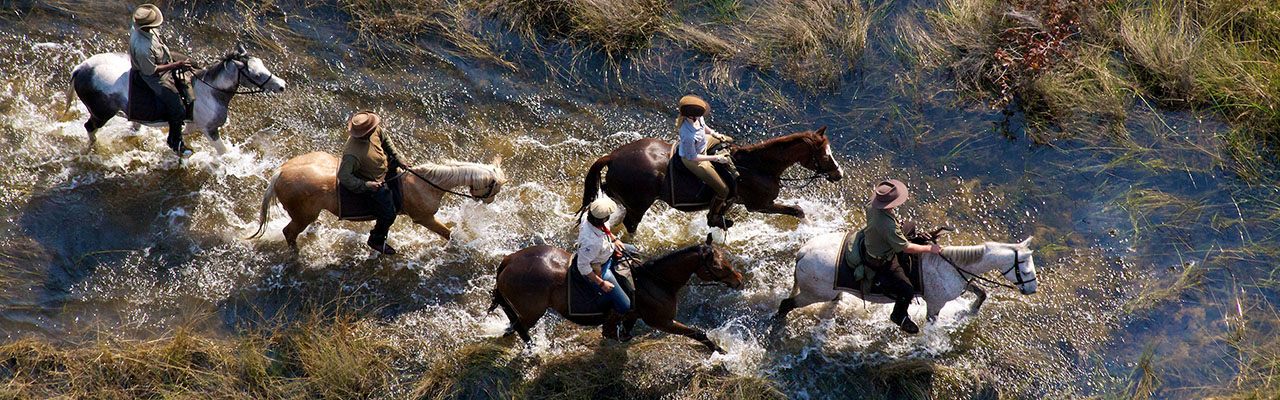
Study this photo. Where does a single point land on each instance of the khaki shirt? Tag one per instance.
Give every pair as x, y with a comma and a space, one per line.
883, 236
147, 51
367, 160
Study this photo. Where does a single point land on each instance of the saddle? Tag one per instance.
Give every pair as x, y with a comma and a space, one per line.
143, 105
678, 172
852, 275
585, 299
353, 206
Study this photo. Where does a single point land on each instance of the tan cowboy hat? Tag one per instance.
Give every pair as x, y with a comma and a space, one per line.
147, 16
889, 193
363, 123
602, 208
693, 106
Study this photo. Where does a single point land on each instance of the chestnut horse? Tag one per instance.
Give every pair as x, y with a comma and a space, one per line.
533, 279
308, 184
637, 175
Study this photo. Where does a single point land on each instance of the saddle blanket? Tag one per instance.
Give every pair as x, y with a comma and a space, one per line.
354, 206
677, 171
854, 276
584, 298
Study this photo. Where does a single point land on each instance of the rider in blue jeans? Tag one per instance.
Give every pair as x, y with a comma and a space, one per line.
597, 249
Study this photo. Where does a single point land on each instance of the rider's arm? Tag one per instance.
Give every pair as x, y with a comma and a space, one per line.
393, 158
913, 248
347, 177
686, 146
586, 268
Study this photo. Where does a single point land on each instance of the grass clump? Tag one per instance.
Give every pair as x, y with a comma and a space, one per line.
614, 27
398, 24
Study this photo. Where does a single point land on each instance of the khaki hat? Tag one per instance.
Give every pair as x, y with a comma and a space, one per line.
363, 123
147, 16
889, 193
602, 208
693, 106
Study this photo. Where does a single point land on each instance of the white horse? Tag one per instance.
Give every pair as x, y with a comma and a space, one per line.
816, 263
102, 84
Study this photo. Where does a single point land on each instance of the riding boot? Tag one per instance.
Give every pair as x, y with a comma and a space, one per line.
900, 317
715, 215
385, 213
610, 327
175, 141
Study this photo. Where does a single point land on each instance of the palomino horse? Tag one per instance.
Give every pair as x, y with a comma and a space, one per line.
638, 174
533, 279
308, 184
943, 282
102, 84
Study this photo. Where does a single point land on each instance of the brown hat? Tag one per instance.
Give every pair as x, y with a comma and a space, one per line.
693, 106
147, 16
363, 123
889, 193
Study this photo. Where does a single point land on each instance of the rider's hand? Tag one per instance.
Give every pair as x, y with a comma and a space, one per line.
935, 248
723, 159
374, 185
606, 286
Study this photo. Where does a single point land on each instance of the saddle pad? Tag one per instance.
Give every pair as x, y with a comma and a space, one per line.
583, 297
354, 206
144, 105
676, 170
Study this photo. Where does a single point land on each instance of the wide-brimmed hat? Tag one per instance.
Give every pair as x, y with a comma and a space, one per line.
889, 193
363, 123
693, 106
602, 208
147, 16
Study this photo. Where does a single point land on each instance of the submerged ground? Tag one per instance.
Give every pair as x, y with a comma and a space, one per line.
123, 273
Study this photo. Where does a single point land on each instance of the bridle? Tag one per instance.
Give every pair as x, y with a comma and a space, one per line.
969, 277
704, 255
492, 188
813, 159
261, 86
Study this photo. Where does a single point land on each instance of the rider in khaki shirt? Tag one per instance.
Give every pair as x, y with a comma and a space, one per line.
152, 63
884, 241
367, 159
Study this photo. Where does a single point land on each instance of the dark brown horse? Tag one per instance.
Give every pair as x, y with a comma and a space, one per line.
637, 175
533, 279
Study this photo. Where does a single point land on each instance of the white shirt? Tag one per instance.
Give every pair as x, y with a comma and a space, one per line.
594, 246
693, 138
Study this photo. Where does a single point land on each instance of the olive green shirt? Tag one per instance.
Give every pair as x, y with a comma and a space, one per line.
883, 236
367, 160
147, 52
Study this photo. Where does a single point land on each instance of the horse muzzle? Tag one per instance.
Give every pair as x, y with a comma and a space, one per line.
834, 176
1026, 290
736, 284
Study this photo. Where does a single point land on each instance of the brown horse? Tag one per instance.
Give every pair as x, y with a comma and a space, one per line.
637, 175
308, 184
533, 279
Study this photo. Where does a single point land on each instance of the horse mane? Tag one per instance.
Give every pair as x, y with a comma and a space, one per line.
649, 263
769, 144
453, 169
965, 254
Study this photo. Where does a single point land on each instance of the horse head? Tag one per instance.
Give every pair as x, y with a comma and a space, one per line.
715, 267
247, 71
486, 189
1015, 263
820, 159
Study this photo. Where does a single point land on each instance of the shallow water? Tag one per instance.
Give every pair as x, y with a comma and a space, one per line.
121, 238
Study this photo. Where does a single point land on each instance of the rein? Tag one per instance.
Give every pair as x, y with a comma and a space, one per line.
969, 277
809, 180
489, 193
702, 267
261, 87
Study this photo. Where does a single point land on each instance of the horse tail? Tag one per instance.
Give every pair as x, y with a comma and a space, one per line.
71, 90
266, 202
591, 185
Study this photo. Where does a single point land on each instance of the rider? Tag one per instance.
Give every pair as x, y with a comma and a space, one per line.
153, 63
367, 160
885, 239
597, 251
695, 139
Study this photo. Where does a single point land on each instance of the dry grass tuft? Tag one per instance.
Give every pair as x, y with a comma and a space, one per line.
615, 27
397, 24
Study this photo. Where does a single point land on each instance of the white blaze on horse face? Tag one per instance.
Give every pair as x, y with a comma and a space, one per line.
832, 157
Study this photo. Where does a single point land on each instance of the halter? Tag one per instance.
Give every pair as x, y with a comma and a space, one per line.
493, 184
261, 86
703, 268
813, 159
1017, 270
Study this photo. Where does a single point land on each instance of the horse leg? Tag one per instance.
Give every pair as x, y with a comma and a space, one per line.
91, 127
675, 327
982, 296
434, 225
297, 223
933, 307
776, 208
628, 324
215, 140
635, 213
785, 307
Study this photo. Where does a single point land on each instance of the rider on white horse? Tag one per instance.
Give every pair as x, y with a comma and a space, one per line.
885, 239
153, 64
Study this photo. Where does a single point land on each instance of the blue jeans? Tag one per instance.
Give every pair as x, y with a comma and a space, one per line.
617, 296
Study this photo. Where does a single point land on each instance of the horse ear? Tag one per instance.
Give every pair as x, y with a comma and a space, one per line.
241, 50
822, 131
708, 239
497, 161
1026, 243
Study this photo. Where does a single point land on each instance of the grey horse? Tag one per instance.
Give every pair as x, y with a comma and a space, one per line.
102, 84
